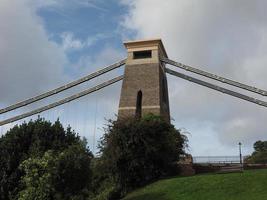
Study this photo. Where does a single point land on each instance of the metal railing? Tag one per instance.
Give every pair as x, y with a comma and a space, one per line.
216, 159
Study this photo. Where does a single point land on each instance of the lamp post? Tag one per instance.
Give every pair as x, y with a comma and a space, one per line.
240, 153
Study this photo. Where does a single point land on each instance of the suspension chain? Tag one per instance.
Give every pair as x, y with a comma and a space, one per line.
62, 88
218, 88
215, 77
61, 102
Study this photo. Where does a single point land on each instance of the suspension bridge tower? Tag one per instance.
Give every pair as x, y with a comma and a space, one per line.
144, 88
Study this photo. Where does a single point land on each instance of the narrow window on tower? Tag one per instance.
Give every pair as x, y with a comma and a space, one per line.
138, 111
142, 54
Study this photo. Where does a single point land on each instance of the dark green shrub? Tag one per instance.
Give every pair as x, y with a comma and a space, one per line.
138, 151
65, 175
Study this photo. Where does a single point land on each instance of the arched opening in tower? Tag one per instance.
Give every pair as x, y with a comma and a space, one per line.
138, 111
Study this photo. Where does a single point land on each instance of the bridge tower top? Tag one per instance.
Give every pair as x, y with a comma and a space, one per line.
144, 88
145, 45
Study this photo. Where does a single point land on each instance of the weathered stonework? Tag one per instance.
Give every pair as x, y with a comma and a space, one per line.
146, 75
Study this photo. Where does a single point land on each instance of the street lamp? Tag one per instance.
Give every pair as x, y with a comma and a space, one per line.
240, 153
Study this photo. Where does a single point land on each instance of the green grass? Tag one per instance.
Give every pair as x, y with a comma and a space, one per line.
250, 185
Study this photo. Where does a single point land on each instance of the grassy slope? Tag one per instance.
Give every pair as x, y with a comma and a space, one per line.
250, 185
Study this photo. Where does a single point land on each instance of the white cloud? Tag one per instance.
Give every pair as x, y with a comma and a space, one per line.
106, 56
223, 37
70, 4
30, 62
71, 43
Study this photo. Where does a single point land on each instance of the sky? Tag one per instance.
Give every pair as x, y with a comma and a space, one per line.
44, 44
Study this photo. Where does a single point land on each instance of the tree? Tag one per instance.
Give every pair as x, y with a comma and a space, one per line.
38, 178
138, 151
29, 140
65, 175
260, 146
259, 156
42, 161
73, 173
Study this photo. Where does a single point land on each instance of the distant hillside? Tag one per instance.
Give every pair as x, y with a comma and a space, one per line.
250, 185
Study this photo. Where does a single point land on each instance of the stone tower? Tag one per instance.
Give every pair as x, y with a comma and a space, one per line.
144, 88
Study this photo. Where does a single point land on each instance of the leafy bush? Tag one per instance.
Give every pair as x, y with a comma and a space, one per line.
104, 185
64, 175
73, 172
38, 178
138, 151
